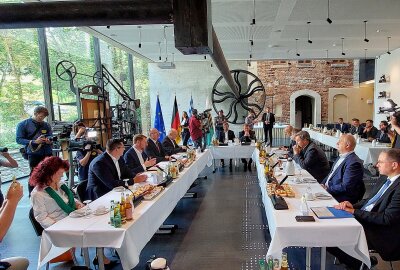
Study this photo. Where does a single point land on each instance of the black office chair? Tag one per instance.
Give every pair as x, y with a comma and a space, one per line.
81, 190
36, 225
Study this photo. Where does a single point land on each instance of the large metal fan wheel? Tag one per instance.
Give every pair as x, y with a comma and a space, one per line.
65, 70
236, 106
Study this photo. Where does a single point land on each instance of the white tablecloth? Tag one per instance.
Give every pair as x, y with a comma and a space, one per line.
364, 150
347, 234
234, 151
130, 239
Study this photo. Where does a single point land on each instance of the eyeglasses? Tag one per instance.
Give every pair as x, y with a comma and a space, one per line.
380, 161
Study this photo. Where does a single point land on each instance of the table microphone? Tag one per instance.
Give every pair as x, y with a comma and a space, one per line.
275, 164
283, 180
158, 167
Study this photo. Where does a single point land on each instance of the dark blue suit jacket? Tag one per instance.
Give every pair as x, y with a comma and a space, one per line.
221, 137
132, 160
382, 137
346, 183
153, 152
103, 176
345, 127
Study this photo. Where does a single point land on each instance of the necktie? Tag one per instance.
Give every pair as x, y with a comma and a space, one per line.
380, 137
374, 199
158, 147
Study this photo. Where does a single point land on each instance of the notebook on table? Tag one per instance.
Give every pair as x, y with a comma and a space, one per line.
330, 212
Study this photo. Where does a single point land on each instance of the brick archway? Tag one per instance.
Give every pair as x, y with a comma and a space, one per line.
316, 105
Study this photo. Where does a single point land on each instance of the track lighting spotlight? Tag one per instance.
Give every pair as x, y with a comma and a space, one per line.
328, 19
297, 52
365, 32
342, 47
388, 50
140, 36
108, 27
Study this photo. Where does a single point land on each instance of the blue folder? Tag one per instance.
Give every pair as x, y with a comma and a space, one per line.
336, 213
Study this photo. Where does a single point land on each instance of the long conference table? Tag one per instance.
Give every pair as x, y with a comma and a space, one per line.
128, 240
346, 233
364, 150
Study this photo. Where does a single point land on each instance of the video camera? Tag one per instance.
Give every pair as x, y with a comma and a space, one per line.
84, 145
61, 130
203, 115
3, 149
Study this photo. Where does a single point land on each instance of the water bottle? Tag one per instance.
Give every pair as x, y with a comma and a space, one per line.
304, 206
117, 219
112, 215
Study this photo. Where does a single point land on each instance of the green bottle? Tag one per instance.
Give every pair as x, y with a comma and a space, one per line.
261, 262
117, 219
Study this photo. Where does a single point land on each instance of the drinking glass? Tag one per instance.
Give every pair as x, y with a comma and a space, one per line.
87, 208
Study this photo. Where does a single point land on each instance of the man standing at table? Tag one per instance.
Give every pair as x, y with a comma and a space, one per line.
356, 128
369, 131
380, 213
345, 181
310, 157
169, 144
108, 170
247, 136
268, 119
154, 148
341, 126
225, 136
135, 158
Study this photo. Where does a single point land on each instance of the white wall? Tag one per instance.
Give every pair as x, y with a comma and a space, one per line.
189, 78
390, 66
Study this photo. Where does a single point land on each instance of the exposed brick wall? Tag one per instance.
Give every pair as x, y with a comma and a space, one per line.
282, 82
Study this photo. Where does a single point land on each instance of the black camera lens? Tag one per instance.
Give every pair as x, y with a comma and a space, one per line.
3, 149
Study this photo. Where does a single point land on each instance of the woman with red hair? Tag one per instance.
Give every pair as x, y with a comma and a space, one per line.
51, 199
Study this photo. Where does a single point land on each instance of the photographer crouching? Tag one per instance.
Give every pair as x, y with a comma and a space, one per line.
87, 153
35, 135
195, 129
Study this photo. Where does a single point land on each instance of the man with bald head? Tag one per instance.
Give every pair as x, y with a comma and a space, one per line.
170, 145
345, 180
154, 148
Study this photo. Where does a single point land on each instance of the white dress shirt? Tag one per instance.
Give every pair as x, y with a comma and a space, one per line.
45, 209
226, 136
139, 154
342, 157
392, 179
116, 165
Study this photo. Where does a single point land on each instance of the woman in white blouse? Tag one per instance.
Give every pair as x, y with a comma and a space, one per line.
51, 199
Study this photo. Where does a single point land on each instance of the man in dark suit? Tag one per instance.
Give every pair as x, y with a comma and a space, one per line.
154, 148
169, 144
224, 136
108, 170
135, 158
310, 157
382, 135
356, 128
380, 213
247, 136
343, 127
268, 120
345, 180
369, 131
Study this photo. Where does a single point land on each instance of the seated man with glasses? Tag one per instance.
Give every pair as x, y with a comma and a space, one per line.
380, 213
108, 170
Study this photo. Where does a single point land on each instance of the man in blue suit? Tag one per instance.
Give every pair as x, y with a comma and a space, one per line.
135, 158
343, 127
154, 148
108, 170
345, 180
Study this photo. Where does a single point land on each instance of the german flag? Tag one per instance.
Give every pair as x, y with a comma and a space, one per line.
176, 122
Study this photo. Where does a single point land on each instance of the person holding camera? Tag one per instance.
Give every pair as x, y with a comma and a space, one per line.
219, 121
8, 162
394, 135
7, 212
84, 156
34, 134
195, 129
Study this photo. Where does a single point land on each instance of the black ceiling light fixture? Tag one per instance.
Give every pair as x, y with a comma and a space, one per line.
328, 19
251, 42
140, 36
309, 38
159, 47
253, 21
365, 32
342, 47
327, 57
365, 53
108, 27
297, 51
388, 51
205, 57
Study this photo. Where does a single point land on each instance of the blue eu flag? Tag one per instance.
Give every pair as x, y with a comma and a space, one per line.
159, 121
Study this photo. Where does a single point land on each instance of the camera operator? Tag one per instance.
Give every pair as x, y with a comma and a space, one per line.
85, 155
34, 133
219, 122
195, 129
394, 135
9, 162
